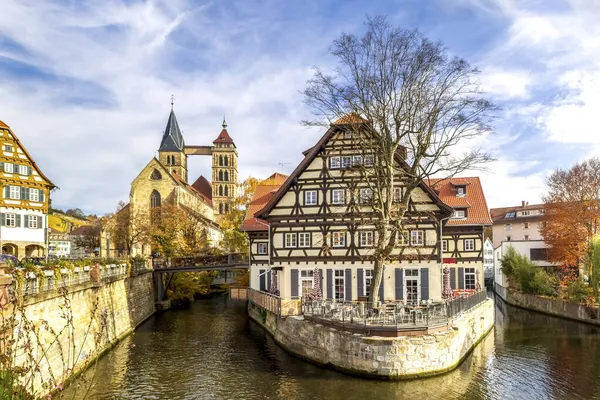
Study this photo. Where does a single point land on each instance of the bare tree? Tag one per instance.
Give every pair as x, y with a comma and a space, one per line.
88, 237
127, 228
410, 105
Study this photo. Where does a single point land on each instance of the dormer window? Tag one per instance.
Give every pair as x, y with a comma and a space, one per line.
461, 191
459, 214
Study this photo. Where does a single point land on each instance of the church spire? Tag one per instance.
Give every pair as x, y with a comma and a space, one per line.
224, 125
172, 139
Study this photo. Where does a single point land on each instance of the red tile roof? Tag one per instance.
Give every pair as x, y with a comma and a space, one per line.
224, 137
203, 186
186, 185
3, 125
474, 200
350, 118
263, 193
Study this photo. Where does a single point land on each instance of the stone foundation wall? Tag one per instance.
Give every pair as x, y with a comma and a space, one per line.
556, 307
102, 314
391, 358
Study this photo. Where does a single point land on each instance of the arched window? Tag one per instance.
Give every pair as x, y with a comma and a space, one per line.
220, 208
226, 176
154, 199
220, 175
226, 161
220, 161
173, 160
226, 191
168, 160
226, 208
156, 176
220, 190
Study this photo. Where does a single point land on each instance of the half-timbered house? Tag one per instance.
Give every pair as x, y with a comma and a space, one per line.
319, 221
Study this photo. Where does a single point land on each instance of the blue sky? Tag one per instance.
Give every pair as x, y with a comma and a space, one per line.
86, 85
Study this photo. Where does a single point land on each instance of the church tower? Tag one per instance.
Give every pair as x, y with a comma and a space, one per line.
171, 152
225, 172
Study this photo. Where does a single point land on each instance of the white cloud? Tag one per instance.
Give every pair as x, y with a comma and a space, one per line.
505, 85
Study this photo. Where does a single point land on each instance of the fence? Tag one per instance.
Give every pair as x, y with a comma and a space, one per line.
393, 316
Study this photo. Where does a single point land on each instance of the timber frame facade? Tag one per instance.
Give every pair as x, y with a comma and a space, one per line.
318, 219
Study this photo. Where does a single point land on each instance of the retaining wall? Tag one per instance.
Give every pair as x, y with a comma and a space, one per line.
102, 313
557, 307
371, 356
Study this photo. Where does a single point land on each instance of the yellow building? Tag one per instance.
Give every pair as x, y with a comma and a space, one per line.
25, 199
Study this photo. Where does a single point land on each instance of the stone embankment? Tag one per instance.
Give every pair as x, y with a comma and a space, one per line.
380, 357
556, 307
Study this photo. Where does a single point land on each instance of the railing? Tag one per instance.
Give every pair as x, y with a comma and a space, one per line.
268, 301
54, 280
203, 260
392, 315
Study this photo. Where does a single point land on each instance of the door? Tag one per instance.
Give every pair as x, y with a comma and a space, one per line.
412, 287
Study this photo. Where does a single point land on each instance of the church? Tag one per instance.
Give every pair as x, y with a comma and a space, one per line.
165, 180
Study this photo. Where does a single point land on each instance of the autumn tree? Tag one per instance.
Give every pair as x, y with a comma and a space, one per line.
88, 237
236, 241
409, 105
126, 228
572, 212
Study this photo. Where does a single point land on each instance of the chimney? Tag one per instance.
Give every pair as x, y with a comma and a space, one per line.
524, 203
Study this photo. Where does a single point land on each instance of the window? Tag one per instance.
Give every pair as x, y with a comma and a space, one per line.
338, 196
338, 284
404, 238
338, 239
310, 198
34, 194
334, 162
525, 213
368, 280
411, 286
469, 244
357, 160
156, 176
304, 239
366, 238
369, 160
23, 170
306, 283
32, 221
526, 225
397, 196
226, 190
508, 238
290, 240
346, 161
461, 191
417, 238
348, 135
526, 237
262, 248
8, 147
538, 254
11, 220
507, 227
444, 245
470, 278
365, 195
509, 215
154, 199
8, 167
459, 214
15, 192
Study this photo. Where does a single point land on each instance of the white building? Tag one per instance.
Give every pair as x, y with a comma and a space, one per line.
59, 244
25, 199
488, 260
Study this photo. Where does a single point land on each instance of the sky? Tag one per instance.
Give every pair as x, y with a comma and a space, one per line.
86, 85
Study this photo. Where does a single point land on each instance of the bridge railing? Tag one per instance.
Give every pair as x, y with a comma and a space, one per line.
204, 260
275, 304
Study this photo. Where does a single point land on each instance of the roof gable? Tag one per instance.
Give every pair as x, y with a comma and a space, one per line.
314, 151
473, 200
224, 138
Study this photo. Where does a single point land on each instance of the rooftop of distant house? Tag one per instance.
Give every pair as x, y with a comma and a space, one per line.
263, 193
466, 196
523, 212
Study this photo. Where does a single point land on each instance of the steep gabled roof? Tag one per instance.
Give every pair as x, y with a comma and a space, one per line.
310, 156
34, 165
224, 138
172, 139
262, 194
473, 201
203, 186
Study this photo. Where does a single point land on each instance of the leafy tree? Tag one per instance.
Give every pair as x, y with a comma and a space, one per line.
403, 97
89, 238
75, 212
572, 212
235, 240
126, 228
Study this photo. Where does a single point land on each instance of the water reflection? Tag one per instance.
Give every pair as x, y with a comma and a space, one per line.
212, 351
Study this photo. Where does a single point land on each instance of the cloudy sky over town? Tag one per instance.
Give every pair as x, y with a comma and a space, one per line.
86, 86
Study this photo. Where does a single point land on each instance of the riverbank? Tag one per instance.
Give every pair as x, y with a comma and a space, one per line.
555, 307
379, 357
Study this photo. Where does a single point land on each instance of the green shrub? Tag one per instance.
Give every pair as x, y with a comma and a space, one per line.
529, 277
578, 290
544, 284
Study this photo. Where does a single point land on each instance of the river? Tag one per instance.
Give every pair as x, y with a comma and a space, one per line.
212, 351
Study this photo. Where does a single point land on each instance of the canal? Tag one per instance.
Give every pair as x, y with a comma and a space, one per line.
212, 351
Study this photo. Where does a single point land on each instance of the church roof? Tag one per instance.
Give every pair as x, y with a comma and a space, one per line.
172, 138
203, 186
224, 138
